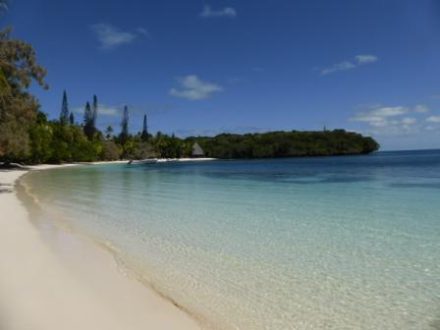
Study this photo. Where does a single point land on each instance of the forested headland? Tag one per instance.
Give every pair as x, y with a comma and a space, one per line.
28, 136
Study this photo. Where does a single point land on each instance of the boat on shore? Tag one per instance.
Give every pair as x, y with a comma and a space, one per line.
167, 160
142, 161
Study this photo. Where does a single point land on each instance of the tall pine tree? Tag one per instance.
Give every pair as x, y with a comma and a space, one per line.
72, 119
89, 130
144, 135
94, 111
124, 126
64, 115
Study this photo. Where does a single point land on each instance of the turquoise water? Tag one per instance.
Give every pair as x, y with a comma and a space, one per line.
311, 243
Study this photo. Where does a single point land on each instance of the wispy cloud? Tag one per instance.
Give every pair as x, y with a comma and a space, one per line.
358, 60
208, 12
110, 37
421, 108
408, 121
433, 119
365, 59
342, 66
396, 120
103, 110
109, 111
193, 88
380, 117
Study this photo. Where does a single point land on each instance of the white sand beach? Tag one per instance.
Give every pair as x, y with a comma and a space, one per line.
78, 288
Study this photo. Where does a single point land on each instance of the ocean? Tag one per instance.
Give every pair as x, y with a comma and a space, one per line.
348, 242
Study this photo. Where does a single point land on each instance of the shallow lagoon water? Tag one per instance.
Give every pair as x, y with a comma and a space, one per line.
305, 243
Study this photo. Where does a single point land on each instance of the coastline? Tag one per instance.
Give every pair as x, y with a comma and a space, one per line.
79, 287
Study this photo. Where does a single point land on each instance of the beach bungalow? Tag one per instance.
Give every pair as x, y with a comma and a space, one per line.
197, 151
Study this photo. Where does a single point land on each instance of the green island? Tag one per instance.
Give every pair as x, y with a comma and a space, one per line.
27, 136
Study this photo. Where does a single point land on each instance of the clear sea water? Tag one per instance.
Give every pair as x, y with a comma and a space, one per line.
306, 243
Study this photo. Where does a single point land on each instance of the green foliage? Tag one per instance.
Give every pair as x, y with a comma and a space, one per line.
71, 119
144, 134
53, 142
18, 109
94, 112
168, 147
110, 151
89, 122
286, 144
124, 127
41, 136
64, 115
109, 132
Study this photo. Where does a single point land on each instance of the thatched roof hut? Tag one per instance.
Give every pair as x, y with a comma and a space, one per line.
197, 150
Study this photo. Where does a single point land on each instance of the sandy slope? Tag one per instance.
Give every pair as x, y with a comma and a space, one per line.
78, 288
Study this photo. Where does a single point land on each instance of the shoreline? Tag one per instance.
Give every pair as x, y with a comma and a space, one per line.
69, 283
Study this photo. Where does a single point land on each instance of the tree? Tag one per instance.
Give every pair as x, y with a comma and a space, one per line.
109, 132
124, 126
18, 109
72, 119
144, 135
110, 151
94, 111
64, 115
89, 129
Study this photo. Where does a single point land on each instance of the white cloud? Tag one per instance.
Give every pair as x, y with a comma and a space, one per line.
397, 120
433, 119
110, 37
385, 118
421, 108
409, 121
193, 88
389, 111
379, 117
103, 110
208, 12
349, 65
343, 66
108, 111
365, 59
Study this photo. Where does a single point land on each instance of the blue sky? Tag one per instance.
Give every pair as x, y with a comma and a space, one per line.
204, 67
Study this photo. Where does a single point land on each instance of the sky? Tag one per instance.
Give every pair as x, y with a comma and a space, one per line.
210, 66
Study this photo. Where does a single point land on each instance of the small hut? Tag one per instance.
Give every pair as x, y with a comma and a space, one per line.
197, 151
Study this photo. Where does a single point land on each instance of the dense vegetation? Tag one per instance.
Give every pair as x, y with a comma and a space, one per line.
27, 136
286, 144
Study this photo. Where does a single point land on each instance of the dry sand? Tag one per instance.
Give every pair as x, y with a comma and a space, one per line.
79, 287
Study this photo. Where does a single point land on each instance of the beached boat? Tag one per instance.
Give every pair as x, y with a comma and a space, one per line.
142, 161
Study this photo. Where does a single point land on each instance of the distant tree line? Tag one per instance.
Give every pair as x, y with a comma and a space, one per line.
286, 144
27, 136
